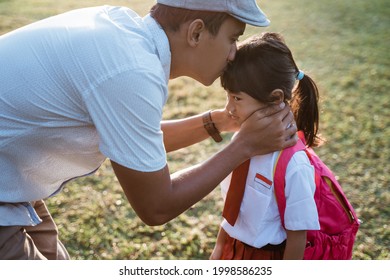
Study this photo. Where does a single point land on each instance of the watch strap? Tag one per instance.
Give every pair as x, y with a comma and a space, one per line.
210, 127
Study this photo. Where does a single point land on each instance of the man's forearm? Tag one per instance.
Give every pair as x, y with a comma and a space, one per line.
182, 133
194, 183
158, 197
185, 132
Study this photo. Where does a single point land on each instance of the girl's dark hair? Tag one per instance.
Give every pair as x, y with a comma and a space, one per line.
171, 18
264, 63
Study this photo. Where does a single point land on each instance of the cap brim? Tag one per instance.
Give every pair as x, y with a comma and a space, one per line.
264, 22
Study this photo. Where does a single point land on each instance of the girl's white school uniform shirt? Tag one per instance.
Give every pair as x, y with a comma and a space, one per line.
258, 222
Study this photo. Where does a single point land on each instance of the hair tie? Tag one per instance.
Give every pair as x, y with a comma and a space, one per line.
300, 75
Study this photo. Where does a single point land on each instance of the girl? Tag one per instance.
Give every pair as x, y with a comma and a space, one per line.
264, 73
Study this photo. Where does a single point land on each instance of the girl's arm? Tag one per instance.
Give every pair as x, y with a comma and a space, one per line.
217, 252
295, 245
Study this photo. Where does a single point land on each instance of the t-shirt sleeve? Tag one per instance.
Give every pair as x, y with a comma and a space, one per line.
301, 211
126, 110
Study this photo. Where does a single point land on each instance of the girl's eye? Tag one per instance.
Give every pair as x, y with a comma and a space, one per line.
236, 98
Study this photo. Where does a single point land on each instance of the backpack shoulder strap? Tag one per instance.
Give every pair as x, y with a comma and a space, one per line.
280, 173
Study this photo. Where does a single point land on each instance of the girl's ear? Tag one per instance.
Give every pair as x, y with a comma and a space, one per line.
277, 96
194, 32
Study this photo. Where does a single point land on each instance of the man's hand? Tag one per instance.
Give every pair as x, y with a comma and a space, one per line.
267, 130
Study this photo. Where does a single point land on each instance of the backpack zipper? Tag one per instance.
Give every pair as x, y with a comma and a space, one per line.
332, 189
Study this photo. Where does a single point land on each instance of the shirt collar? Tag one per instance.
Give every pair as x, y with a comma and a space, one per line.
161, 42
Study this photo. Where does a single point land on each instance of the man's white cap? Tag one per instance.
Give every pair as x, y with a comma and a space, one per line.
246, 11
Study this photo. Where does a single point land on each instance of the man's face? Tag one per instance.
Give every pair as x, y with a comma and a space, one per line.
217, 51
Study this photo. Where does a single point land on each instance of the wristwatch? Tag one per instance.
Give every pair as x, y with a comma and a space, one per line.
210, 127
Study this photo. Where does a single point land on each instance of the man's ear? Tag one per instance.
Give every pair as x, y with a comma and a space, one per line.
194, 32
277, 96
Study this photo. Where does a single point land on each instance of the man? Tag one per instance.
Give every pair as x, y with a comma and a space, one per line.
91, 84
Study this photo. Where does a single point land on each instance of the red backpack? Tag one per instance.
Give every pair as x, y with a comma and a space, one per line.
338, 221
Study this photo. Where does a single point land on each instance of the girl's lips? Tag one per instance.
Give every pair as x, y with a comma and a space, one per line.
232, 116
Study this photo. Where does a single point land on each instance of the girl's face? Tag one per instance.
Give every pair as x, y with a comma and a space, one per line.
241, 105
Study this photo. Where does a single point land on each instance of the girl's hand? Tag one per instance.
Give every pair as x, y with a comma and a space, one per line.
218, 249
217, 252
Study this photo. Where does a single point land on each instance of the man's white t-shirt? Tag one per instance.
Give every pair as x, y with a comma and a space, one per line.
78, 88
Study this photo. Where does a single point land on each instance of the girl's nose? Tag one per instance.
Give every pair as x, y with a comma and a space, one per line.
230, 106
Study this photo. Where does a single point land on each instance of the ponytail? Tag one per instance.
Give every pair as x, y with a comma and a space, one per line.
304, 105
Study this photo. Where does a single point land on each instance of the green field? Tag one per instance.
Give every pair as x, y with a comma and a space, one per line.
344, 45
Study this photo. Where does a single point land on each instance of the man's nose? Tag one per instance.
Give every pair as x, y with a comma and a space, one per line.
232, 53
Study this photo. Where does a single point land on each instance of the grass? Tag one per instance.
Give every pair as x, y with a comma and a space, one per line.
343, 45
